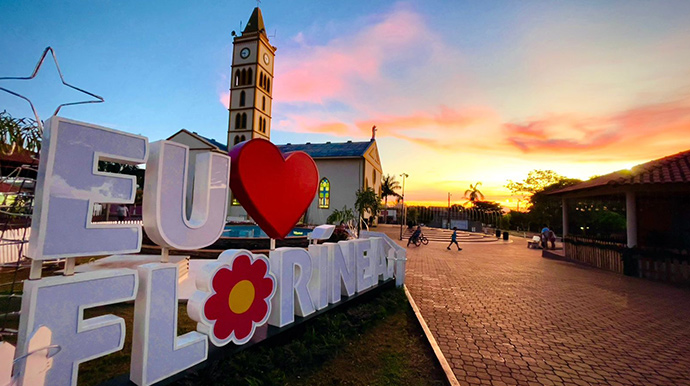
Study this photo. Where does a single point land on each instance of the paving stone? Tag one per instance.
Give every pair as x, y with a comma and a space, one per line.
501, 310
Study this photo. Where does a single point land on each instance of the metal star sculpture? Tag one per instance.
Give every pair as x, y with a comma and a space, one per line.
99, 99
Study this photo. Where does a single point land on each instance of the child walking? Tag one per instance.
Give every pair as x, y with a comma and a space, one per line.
454, 239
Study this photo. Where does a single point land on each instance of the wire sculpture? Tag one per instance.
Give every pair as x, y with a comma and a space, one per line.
16, 203
98, 98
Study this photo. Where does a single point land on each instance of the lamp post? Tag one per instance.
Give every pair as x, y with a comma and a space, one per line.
402, 207
449, 209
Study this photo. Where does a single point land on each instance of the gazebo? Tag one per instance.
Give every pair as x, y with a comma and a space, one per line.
655, 197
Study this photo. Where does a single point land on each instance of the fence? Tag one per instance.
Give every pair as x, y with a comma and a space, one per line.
601, 254
12, 240
669, 265
666, 266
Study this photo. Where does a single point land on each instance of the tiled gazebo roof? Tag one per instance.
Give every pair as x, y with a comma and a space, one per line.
674, 169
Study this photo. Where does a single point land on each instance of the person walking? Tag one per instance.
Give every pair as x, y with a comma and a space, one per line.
122, 212
454, 239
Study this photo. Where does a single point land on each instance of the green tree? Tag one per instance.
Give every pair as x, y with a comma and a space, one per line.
487, 206
367, 201
473, 194
535, 182
340, 217
18, 135
547, 209
388, 187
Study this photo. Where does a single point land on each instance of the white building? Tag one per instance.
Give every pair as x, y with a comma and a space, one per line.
344, 167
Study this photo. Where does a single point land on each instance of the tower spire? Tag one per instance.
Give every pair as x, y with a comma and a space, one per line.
256, 22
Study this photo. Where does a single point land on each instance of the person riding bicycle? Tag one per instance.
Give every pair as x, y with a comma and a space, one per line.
415, 235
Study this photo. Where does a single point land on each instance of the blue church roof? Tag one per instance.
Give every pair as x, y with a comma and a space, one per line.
315, 150
328, 149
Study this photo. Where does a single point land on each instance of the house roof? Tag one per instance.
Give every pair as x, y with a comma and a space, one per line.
673, 169
328, 149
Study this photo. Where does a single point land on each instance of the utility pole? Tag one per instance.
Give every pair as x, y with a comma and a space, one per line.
449, 209
402, 207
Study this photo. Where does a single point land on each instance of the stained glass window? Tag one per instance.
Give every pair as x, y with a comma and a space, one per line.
324, 193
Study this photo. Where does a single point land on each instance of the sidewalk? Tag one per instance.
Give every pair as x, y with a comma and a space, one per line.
503, 315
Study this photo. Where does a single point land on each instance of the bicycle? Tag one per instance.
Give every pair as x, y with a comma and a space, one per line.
421, 240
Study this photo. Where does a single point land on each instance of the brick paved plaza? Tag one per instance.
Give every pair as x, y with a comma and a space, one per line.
503, 315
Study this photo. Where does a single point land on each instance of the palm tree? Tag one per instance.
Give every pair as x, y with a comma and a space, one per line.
367, 201
18, 135
473, 194
388, 188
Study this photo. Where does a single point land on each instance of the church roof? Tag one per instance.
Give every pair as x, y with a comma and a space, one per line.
674, 169
328, 149
220, 146
255, 23
347, 149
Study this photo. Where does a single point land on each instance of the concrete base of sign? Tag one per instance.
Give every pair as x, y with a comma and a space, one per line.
133, 261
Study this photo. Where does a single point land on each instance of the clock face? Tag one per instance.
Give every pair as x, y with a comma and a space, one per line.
244, 53
266, 58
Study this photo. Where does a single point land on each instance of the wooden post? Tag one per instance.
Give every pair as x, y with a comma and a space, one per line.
631, 218
564, 203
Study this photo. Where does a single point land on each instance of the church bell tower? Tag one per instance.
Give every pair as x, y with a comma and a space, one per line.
252, 83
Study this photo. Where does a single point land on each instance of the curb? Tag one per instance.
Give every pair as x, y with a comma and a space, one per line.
452, 380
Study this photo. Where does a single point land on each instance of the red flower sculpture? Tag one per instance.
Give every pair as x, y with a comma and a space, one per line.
240, 298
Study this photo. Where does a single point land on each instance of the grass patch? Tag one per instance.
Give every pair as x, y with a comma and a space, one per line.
376, 342
372, 340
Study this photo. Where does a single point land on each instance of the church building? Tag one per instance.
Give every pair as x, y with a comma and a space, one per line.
344, 167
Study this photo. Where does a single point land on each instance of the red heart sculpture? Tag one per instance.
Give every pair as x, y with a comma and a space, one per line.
273, 189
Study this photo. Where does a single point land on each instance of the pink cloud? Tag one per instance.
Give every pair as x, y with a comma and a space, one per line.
316, 74
224, 99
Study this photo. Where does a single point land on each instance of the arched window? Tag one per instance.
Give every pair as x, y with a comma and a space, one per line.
243, 77
238, 121
268, 85
244, 120
261, 79
243, 139
263, 104
249, 76
237, 139
237, 78
324, 193
373, 179
243, 96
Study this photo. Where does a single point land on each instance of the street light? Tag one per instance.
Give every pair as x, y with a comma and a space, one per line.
402, 207
449, 209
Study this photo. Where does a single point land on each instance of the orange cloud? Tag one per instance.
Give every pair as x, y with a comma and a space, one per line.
642, 132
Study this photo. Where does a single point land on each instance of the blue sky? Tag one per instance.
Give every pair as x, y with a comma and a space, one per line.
461, 91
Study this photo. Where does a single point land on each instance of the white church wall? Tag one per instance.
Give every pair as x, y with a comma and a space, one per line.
345, 176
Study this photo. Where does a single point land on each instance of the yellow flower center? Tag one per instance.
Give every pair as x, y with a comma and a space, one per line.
241, 296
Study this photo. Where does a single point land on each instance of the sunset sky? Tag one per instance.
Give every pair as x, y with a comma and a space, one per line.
461, 91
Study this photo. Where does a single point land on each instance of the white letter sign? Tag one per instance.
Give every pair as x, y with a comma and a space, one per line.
165, 217
59, 302
69, 184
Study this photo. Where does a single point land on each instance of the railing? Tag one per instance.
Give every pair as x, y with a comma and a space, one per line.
606, 255
662, 264
11, 243
12, 240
